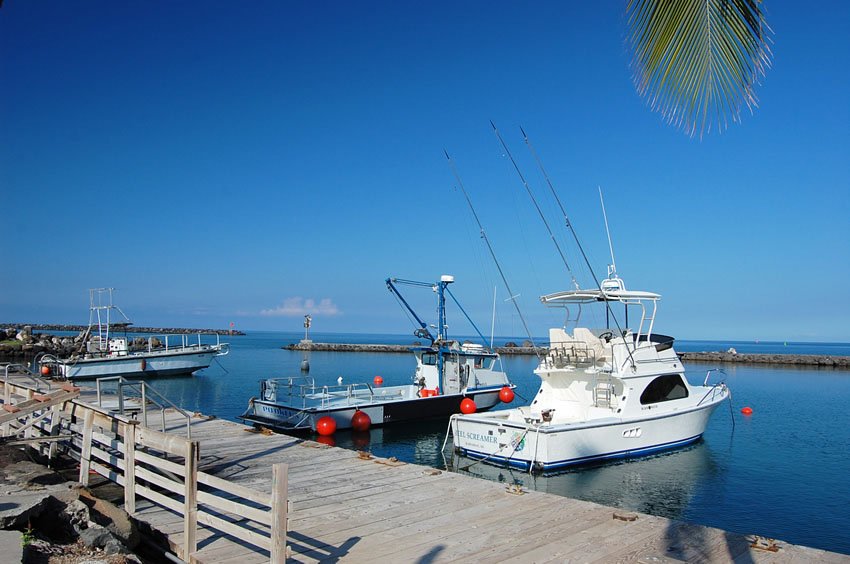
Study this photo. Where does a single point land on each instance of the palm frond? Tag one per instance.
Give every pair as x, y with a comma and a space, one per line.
697, 61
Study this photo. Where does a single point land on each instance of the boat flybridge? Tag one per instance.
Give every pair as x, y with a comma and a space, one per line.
604, 393
447, 372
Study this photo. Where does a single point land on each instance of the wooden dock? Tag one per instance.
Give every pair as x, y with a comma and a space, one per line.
356, 509
353, 507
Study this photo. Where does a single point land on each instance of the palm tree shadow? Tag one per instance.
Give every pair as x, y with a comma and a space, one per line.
314, 549
688, 542
432, 555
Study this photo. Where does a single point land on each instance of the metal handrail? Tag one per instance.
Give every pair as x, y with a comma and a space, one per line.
22, 369
145, 391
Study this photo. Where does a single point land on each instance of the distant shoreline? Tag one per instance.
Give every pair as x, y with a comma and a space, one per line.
716, 357
130, 329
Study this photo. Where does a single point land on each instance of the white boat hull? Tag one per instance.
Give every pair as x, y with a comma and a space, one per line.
140, 365
547, 447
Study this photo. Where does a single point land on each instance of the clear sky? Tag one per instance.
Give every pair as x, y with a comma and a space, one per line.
250, 162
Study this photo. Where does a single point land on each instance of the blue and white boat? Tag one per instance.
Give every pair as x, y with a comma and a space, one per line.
604, 393
103, 354
446, 373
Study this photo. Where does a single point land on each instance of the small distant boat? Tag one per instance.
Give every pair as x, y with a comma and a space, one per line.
447, 373
103, 355
604, 394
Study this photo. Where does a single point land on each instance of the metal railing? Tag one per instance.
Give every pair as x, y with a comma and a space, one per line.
34, 377
146, 395
718, 388
305, 395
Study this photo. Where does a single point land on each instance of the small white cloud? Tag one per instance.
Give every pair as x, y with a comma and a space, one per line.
298, 306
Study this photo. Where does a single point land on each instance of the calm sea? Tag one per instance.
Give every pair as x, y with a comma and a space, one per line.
781, 472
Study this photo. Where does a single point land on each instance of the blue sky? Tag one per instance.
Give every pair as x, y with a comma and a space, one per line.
252, 162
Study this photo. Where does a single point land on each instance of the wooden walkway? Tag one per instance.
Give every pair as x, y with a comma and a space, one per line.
348, 508
361, 509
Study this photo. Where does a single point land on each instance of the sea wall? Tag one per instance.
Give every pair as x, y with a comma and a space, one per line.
373, 348
751, 358
131, 329
714, 357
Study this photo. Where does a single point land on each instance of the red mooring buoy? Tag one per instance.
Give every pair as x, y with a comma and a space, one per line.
747, 410
326, 426
378, 380
467, 406
361, 421
506, 394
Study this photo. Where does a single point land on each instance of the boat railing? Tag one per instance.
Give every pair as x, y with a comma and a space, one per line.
186, 342
348, 392
563, 354
302, 392
145, 395
719, 388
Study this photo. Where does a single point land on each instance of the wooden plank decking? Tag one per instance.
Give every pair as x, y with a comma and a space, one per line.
352, 509
356, 510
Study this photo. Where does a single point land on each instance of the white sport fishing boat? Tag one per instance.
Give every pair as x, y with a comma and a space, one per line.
447, 372
104, 354
604, 393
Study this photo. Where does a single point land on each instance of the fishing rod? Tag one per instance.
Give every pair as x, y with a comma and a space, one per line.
536, 205
575, 235
492, 252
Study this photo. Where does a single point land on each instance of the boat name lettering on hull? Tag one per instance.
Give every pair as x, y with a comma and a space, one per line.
477, 437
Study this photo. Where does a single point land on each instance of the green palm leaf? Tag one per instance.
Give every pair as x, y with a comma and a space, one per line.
697, 61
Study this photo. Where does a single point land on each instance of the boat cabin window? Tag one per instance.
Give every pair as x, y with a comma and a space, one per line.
479, 362
664, 388
430, 359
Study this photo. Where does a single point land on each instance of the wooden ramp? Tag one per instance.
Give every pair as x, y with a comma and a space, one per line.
355, 509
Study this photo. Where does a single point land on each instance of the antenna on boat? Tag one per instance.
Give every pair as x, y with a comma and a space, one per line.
493, 322
492, 252
613, 268
608, 309
534, 200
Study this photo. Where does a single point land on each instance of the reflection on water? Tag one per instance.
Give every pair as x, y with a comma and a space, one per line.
662, 484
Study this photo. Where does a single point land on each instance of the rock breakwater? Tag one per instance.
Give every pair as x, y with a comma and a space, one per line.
752, 358
715, 357
375, 348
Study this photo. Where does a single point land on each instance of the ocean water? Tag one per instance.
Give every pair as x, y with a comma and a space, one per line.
781, 472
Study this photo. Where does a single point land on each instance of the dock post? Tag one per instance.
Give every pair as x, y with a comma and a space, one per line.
130, 467
55, 424
279, 507
190, 501
85, 452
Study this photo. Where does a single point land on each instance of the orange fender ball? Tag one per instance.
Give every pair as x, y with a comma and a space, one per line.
506, 394
747, 411
326, 426
467, 406
45, 370
361, 421
378, 380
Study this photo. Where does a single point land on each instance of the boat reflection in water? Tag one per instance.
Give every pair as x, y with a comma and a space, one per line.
663, 484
